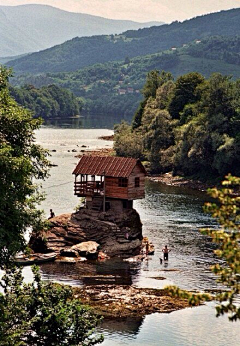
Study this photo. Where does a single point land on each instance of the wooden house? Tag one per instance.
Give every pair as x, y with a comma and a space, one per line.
109, 182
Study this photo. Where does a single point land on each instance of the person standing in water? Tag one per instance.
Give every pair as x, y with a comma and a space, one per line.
165, 253
147, 247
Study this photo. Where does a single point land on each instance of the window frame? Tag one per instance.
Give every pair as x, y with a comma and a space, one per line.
137, 181
122, 182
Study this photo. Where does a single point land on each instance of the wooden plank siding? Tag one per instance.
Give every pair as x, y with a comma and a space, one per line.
92, 173
115, 191
136, 192
130, 192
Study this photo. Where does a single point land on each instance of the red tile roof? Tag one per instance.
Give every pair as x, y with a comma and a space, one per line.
107, 165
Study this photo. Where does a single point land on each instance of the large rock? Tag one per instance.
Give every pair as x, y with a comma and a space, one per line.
87, 249
117, 234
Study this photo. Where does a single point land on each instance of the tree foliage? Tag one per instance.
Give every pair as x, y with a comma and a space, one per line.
48, 102
189, 126
184, 93
99, 85
37, 313
126, 142
41, 313
21, 161
226, 210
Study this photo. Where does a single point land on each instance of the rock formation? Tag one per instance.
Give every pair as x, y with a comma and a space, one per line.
117, 234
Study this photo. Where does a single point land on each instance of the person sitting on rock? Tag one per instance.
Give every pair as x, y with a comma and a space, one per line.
51, 214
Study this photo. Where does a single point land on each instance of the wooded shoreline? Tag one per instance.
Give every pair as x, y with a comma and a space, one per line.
166, 178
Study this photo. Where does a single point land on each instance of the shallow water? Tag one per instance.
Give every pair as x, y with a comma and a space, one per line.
189, 327
171, 216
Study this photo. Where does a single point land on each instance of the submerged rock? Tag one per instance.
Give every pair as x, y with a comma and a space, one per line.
68, 232
117, 301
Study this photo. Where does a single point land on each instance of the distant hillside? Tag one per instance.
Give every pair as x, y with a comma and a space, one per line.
81, 52
4, 60
30, 28
114, 88
48, 101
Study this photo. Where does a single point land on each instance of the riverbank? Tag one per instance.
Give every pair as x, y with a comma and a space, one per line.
169, 179
170, 216
166, 178
128, 301
97, 152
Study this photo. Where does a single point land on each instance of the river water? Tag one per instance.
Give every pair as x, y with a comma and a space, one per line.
171, 216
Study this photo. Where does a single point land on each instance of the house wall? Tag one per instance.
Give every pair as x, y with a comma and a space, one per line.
136, 192
115, 191
129, 192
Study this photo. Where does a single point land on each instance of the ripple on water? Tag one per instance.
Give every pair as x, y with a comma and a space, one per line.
189, 327
170, 215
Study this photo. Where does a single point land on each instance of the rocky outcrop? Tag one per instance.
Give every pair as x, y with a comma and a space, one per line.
117, 234
116, 301
88, 249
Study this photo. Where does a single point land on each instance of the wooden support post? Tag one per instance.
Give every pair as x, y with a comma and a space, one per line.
104, 193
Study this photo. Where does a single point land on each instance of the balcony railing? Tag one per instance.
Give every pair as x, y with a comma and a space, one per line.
88, 188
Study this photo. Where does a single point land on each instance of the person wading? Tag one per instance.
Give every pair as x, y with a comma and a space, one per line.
165, 253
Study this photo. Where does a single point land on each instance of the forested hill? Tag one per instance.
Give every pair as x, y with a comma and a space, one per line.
81, 52
114, 88
47, 102
30, 28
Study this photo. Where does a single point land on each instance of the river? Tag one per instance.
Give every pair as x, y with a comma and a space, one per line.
171, 216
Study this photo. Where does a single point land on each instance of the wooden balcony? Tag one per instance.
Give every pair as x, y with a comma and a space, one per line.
88, 188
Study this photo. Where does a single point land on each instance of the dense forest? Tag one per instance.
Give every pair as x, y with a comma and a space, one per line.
114, 88
48, 102
85, 51
190, 126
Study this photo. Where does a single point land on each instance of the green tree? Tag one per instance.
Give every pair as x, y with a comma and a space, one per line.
227, 212
153, 81
21, 162
126, 142
38, 313
49, 101
207, 143
184, 92
41, 313
137, 119
157, 135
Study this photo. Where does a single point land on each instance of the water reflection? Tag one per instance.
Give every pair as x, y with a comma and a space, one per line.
188, 327
86, 121
171, 216
110, 272
123, 328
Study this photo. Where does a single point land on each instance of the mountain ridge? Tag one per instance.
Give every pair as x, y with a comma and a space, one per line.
29, 28
85, 51
114, 88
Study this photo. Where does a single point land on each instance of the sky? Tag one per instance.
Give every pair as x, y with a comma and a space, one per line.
137, 10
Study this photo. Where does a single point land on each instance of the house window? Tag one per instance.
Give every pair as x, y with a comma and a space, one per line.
137, 182
122, 182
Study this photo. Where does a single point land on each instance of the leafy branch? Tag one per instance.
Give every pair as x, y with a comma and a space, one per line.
227, 212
